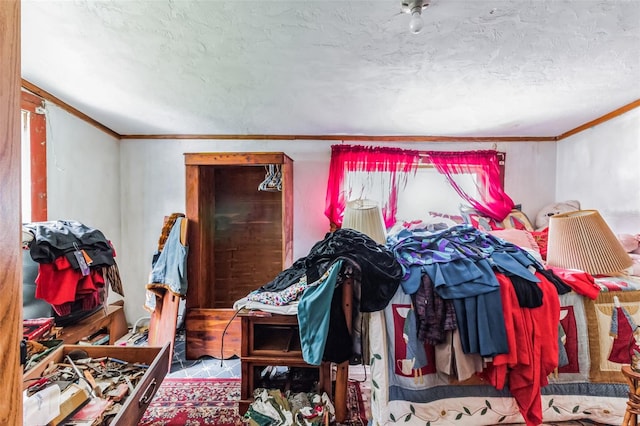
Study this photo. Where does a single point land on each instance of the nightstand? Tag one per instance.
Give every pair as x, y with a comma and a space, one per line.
274, 340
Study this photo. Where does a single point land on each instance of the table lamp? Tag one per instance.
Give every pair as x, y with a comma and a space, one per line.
365, 216
583, 240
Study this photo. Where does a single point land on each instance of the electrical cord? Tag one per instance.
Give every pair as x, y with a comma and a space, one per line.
222, 339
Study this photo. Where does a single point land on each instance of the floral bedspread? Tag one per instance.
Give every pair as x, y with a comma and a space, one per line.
407, 389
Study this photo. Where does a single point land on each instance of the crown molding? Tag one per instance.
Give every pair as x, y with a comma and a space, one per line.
371, 138
65, 106
346, 138
600, 120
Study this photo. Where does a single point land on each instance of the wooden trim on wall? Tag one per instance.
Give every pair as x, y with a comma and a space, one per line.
10, 251
65, 106
600, 120
233, 158
359, 138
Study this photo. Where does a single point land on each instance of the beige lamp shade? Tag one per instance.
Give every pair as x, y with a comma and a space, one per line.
583, 240
365, 216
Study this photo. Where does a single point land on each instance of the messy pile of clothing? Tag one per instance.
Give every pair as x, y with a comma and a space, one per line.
307, 289
273, 408
76, 262
501, 302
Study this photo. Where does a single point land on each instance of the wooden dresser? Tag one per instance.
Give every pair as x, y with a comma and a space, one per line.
156, 358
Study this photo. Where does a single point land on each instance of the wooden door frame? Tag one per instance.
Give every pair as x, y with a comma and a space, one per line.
10, 218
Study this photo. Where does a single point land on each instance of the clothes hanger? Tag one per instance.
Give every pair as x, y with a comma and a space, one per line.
273, 179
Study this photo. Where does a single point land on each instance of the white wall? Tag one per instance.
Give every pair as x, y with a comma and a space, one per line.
83, 175
600, 167
125, 188
152, 177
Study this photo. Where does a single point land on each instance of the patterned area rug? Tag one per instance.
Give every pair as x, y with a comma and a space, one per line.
356, 406
207, 402
195, 402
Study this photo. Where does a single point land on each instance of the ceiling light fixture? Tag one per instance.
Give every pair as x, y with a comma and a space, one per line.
415, 7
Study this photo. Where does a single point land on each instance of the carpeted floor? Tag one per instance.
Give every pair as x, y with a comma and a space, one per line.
211, 401
194, 401
356, 405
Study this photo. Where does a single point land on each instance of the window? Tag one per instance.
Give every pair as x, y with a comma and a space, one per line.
34, 159
429, 191
426, 191
381, 174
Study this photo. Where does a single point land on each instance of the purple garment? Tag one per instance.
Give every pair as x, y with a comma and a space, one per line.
434, 315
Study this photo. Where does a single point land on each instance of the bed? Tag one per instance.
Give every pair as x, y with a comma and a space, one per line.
586, 385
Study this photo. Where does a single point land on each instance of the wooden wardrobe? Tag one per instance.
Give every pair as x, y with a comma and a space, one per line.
240, 238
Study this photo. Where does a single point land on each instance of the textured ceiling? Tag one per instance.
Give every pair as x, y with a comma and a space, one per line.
319, 67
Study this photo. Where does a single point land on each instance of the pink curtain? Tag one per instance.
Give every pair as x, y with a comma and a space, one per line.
494, 202
398, 163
